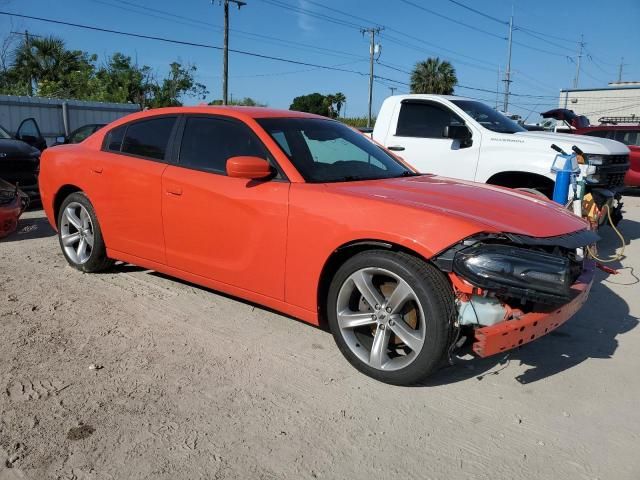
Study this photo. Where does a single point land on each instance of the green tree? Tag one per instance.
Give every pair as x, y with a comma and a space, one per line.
53, 70
327, 105
433, 76
122, 81
340, 100
180, 82
243, 102
312, 103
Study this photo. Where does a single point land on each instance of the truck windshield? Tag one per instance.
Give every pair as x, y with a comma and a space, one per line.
488, 117
328, 151
4, 135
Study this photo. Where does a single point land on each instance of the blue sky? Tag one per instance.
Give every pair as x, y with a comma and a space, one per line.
549, 33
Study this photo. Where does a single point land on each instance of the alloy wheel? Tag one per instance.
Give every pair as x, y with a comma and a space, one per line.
77, 233
380, 318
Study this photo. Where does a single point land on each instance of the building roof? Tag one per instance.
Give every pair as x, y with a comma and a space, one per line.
632, 86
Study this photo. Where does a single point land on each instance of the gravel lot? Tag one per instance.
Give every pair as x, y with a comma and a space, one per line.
195, 384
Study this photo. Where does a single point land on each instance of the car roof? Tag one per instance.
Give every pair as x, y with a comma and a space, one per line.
430, 96
233, 111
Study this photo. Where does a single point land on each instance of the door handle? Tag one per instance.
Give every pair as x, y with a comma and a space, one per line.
396, 148
174, 191
97, 169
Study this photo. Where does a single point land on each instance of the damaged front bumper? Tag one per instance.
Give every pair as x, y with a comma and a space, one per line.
510, 334
511, 289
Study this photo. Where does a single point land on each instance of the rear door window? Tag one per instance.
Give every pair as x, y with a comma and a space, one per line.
631, 137
424, 120
619, 135
113, 141
208, 142
148, 138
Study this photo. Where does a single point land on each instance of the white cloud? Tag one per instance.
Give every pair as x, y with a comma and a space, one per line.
304, 20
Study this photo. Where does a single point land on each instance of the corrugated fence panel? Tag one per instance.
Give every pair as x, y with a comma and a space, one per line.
48, 113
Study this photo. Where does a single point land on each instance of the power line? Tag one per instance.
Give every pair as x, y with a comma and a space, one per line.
433, 12
169, 16
386, 27
562, 39
485, 15
320, 16
406, 44
466, 87
542, 50
195, 44
177, 42
541, 38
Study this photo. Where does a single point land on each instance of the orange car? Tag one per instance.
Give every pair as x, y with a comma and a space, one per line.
306, 216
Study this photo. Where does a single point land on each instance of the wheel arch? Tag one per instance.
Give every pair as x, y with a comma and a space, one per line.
520, 179
62, 193
342, 254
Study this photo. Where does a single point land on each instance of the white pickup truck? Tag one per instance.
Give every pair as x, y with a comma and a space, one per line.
464, 138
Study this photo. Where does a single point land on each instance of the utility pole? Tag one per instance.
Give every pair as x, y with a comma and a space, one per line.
498, 89
580, 47
28, 44
507, 73
372, 51
622, 64
393, 90
225, 53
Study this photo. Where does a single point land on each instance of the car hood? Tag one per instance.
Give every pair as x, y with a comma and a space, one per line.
490, 208
16, 148
593, 145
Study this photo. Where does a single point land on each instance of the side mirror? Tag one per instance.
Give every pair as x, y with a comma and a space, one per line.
61, 140
252, 168
457, 132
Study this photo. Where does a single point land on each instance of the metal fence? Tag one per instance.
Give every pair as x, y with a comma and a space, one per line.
58, 117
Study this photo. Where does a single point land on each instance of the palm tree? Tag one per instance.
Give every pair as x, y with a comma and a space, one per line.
339, 99
329, 100
47, 59
433, 76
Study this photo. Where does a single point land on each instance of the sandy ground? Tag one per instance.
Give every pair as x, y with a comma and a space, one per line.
194, 384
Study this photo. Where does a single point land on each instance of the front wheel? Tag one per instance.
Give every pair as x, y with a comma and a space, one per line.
80, 235
391, 315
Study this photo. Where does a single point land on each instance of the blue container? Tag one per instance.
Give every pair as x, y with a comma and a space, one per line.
561, 188
564, 175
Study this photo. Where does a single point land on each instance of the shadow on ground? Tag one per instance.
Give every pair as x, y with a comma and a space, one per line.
30, 229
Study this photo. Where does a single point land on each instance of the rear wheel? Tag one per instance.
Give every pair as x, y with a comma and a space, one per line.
391, 315
80, 235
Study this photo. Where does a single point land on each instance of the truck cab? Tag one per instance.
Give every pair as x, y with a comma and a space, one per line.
464, 138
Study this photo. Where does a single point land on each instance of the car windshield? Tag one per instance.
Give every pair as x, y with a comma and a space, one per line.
4, 135
329, 151
488, 117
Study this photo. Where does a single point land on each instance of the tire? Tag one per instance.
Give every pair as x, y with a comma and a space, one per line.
396, 342
80, 236
533, 191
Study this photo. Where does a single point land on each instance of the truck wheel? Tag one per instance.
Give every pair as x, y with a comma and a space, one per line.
391, 315
80, 235
533, 191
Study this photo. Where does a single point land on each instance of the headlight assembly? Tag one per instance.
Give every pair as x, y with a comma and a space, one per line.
595, 160
512, 270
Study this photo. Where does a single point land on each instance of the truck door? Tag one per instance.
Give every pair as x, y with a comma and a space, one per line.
419, 139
